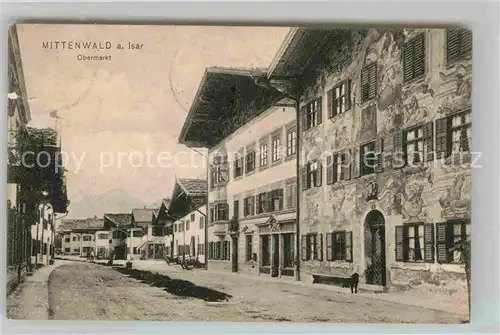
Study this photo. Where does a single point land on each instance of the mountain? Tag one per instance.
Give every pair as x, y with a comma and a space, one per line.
114, 201
156, 204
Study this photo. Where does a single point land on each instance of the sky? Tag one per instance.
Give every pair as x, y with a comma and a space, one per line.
116, 113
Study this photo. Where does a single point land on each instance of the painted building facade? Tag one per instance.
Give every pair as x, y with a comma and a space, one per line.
385, 141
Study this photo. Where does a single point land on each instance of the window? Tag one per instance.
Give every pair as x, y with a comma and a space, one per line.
193, 217
414, 58
276, 198
87, 238
288, 251
137, 233
312, 175
250, 162
262, 203
76, 250
201, 249
188, 223
236, 208
101, 236
291, 195
414, 145
368, 158
249, 206
291, 142
454, 134
238, 166
458, 44
263, 154
369, 82
181, 226
67, 239
312, 248
218, 250
312, 114
448, 235
415, 242
248, 248
219, 173
76, 238
226, 250
202, 222
276, 148
339, 246
175, 228
158, 231
338, 168
219, 212
266, 252
135, 251
67, 249
339, 100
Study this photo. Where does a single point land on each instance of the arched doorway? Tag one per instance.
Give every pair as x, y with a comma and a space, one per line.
375, 248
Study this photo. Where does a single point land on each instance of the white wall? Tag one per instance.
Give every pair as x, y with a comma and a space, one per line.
184, 237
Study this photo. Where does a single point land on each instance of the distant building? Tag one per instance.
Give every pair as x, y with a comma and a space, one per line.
149, 241
79, 236
118, 226
187, 211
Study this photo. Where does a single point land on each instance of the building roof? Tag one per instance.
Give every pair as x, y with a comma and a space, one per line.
142, 214
77, 225
16, 69
304, 49
226, 99
188, 195
120, 220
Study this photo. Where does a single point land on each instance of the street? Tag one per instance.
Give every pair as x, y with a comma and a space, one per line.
86, 291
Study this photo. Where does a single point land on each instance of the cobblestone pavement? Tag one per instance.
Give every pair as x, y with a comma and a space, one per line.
84, 291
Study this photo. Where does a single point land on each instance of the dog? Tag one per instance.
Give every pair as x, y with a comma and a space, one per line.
352, 283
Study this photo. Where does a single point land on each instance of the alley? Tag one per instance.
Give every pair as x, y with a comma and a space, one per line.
84, 291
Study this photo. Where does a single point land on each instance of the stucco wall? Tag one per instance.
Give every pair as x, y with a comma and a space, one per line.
445, 88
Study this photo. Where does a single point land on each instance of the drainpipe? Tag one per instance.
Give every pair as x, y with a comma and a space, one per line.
299, 187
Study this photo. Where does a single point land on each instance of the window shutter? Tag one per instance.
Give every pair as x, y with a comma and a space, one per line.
408, 57
329, 103
442, 138
429, 242
329, 170
305, 184
319, 106
399, 243
348, 94
320, 173
280, 195
373, 81
398, 150
348, 246
429, 141
303, 115
348, 159
304, 251
329, 246
419, 56
443, 256
379, 151
355, 163
466, 41
452, 44
319, 249
365, 88
389, 149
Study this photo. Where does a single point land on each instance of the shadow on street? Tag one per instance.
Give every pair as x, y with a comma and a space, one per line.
178, 287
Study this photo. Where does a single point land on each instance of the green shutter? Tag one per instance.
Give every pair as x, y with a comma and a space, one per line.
319, 106
303, 245
319, 247
348, 246
399, 243
429, 242
429, 141
329, 170
443, 256
329, 246
329, 104
442, 138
